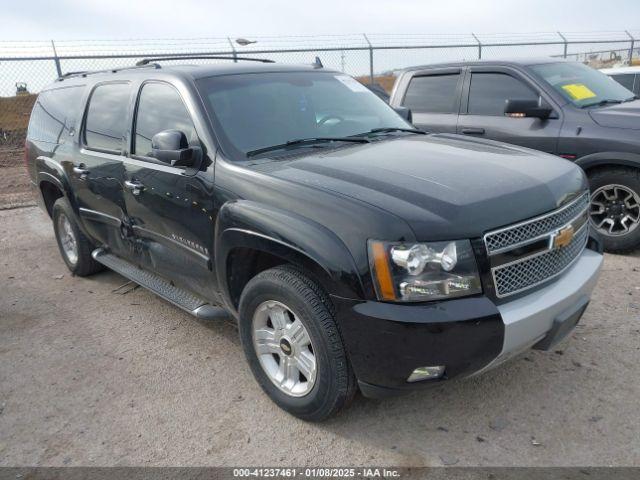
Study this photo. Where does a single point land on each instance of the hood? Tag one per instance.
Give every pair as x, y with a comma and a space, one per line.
444, 186
623, 115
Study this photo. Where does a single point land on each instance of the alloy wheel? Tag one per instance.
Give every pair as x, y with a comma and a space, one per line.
67, 239
615, 210
284, 348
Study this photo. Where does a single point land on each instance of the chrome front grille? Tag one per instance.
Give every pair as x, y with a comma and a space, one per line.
529, 253
521, 275
508, 237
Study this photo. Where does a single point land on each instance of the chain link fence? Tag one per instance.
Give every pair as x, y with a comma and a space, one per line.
27, 67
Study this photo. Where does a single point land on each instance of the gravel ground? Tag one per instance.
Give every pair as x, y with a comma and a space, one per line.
15, 190
89, 376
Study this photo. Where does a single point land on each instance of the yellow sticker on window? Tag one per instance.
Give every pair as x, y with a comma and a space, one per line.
579, 91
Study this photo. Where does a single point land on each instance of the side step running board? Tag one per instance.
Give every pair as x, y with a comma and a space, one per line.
196, 306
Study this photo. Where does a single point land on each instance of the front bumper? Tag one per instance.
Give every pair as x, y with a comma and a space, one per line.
386, 342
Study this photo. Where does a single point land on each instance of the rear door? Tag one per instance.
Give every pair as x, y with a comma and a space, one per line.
486, 91
434, 99
97, 172
171, 208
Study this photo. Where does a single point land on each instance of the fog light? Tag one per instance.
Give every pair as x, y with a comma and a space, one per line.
426, 373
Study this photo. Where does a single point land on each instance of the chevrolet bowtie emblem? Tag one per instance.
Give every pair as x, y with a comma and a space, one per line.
563, 237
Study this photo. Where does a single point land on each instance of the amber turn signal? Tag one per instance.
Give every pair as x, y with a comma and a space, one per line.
382, 273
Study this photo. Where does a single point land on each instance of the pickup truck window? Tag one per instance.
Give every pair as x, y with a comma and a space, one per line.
625, 79
489, 92
253, 111
106, 122
53, 114
432, 94
581, 85
160, 108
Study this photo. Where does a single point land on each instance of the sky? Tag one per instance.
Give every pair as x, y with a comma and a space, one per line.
121, 26
107, 19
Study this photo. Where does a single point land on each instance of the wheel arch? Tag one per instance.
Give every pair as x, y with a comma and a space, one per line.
260, 237
50, 191
52, 183
608, 159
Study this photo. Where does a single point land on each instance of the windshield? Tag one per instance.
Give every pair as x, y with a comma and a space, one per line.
581, 85
255, 111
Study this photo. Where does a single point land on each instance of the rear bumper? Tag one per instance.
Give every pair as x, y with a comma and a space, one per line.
386, 342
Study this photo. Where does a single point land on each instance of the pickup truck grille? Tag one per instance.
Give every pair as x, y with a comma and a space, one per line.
530, 253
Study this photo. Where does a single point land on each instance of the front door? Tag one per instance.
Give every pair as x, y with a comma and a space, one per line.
170, 208
97, 172
482, 113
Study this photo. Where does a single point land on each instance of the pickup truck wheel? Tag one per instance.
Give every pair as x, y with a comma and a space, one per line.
615, 207
293, 345
74, 246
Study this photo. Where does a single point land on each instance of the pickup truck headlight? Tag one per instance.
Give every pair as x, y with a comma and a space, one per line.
419, 272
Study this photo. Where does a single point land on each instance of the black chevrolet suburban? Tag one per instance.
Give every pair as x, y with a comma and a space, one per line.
354, 251
560, 107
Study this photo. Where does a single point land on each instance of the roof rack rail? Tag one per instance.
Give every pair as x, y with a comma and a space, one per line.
146, 61
84, 73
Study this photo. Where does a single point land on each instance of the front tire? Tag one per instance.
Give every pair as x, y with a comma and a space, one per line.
293, 345
615, 207
75, 247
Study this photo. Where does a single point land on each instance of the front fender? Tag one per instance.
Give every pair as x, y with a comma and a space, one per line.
287, 235
625, 159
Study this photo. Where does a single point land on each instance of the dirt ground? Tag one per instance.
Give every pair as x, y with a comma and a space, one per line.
15, 189
90, 375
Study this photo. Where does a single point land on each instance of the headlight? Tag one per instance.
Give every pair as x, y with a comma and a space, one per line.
419, 272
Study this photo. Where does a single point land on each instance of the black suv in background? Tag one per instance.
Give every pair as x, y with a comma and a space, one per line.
353, 250
560, 107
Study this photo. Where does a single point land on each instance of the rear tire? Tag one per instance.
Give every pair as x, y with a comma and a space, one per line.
75, 247
286, 320
615, 207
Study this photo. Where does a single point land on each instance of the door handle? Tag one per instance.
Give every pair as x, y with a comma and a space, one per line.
81, 171
473, 131
135, 187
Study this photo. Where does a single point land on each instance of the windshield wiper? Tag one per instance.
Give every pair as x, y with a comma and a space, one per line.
608, 101
304, 142
392, 129
631, 99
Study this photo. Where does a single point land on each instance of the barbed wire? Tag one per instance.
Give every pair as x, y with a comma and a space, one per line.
68, 48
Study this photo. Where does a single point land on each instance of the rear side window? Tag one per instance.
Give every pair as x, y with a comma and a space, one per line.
627, 80
54, 114
630, 81
106, 122
432, 94
160, 108
490, 91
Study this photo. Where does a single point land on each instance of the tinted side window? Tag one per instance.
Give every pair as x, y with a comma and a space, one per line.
432, 94
160, 108
106, 122
625, 79
55, 113
489, 92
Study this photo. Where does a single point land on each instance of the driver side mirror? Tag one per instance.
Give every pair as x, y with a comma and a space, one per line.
172, 147
405, 113
528, 108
